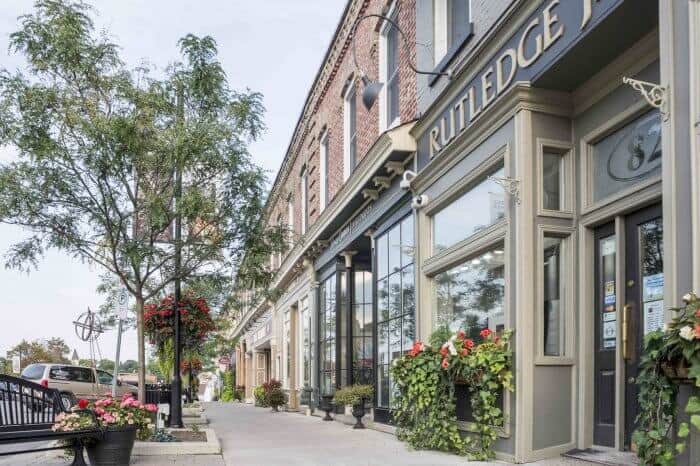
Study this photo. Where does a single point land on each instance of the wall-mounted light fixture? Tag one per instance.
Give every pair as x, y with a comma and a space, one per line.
373, 88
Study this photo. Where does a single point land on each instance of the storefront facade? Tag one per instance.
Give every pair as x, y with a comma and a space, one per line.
544, 191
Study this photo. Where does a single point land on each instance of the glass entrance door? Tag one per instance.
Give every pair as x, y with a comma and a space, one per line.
641, 312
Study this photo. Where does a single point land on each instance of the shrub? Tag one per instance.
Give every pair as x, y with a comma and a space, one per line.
227, 393
353, 394
239, 393
276, 397
260, 397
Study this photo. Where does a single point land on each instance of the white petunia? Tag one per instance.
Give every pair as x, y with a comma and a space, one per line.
687, 333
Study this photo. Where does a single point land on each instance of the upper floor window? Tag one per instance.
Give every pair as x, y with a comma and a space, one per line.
389, 72
280, 225
290, 218
304, 200
323, 170
450, 26
350, 125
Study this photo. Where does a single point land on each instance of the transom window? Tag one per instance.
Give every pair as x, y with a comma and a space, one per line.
485, 205
395, 302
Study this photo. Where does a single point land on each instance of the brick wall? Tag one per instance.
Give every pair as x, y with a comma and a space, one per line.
324, 109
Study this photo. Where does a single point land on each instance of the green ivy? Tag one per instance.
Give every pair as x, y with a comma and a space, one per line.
425, 407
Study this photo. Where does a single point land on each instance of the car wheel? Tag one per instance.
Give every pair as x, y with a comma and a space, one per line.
67, 400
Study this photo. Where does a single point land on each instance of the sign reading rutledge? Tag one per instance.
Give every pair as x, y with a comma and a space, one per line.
549, 31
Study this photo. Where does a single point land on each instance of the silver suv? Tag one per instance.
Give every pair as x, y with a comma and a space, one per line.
74, 382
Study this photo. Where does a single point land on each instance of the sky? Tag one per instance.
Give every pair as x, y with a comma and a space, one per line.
271, 46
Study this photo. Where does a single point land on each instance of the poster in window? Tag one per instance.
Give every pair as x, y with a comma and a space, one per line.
653, 286
653, 316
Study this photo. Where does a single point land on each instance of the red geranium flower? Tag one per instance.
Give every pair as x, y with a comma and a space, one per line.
83, 403
445, 363
485, 333
464, 352
469, 343
444, 351
461, 334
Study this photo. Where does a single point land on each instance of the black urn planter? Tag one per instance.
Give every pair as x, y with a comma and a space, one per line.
327, 406
358, 411
114, 449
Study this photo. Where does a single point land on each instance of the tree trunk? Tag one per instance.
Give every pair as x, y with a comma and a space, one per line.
142, 349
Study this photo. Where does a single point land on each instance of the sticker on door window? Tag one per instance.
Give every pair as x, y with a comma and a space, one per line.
610, 330
610, 288
607, 344
610, 299
653, 316
609, 316
607, 247
653, 287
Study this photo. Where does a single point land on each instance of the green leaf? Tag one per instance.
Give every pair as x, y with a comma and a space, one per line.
683, 430
695, 420
693, 405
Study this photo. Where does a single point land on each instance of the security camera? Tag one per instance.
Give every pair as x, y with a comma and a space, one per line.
408, 177
419, 201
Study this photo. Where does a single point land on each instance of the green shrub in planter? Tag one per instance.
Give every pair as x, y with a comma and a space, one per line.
276, 398
239, 393
352, 395
260, 397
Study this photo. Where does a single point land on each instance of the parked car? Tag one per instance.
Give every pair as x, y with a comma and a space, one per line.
75, 382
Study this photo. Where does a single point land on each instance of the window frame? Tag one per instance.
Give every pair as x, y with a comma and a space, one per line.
304, 180
450, 46
567, 199
323, 170
290, 218
349, 159
384, 124
568, 356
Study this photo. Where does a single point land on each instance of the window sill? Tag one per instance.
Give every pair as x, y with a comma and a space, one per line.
441, 67
554, 361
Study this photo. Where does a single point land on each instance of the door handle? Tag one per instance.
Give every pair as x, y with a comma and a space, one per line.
626, 347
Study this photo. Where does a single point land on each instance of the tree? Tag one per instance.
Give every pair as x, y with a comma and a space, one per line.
98, 148
34, 352
106, 365
5, 366
128, 366
58, 348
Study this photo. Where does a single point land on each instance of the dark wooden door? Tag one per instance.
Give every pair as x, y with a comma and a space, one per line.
605, 335
641, 312
644, 281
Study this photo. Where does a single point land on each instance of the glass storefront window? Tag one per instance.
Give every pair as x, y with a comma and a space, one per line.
470, 295
480, 207
395, 302
327, 321
628, 156
362, 351
305, 343
551, 180
553, 303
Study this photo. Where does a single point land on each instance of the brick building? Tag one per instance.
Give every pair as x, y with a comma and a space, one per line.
529, 180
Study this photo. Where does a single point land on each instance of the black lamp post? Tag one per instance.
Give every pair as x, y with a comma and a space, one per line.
373, 88
176, 385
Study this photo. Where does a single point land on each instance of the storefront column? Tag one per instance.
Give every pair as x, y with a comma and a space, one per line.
248, 374
313, 333
675, 131
694, 34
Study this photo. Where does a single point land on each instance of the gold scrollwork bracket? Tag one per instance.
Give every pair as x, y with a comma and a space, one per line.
655, 94
510, 186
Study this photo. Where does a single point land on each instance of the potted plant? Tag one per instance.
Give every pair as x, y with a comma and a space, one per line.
355, 396
121, 420
276, 398
327, 406
260, 398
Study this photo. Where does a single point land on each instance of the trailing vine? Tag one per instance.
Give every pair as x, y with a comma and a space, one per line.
425, 406
671, 357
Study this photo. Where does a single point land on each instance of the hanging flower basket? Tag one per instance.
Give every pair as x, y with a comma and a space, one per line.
677, 372
195, 319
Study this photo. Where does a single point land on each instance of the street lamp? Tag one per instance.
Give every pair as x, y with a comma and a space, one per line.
373, 88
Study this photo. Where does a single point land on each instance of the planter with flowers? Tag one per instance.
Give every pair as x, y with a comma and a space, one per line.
123, 420
425, 413
671, 358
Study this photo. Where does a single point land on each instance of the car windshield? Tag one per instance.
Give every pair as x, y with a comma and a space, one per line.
104, 377
33, 371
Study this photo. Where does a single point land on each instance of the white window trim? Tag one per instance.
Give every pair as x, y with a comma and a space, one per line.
304, 207
440, 30
383, 78
323, 161
349, 93
290, 218
568, 357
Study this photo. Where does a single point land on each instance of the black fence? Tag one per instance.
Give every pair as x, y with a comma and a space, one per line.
157, 393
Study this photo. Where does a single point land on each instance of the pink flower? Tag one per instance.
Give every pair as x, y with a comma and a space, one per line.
99, 411
151, 408
445, 363
485, 333
461, 334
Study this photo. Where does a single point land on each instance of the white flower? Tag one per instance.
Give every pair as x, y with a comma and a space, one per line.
689, 297
687, 333
664, 327
451, 347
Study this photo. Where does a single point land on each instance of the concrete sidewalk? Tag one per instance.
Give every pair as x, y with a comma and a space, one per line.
255, 436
